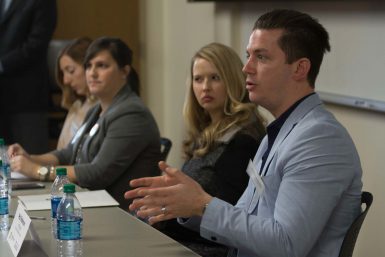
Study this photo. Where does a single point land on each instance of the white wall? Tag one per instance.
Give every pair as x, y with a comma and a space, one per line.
174, 29
367, 130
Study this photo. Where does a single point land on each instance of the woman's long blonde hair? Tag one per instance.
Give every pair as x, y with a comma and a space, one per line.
202, 134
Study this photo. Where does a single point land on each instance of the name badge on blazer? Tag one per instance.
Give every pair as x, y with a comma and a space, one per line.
258, 183
94, 129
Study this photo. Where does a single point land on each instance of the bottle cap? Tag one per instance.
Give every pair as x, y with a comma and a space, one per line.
2, 141
69, 188
61, 171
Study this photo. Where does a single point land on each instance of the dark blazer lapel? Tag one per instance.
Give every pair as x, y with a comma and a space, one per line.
12, 8
91, 119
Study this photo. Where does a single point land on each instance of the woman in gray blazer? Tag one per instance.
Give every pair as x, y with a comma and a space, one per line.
119, 139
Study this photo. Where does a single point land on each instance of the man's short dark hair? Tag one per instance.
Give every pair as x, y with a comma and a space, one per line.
303, 37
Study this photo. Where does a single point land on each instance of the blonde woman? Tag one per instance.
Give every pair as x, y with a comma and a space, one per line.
224, 132
76, 97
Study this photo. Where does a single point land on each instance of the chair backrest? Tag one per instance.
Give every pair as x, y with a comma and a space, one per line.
352, 234
54, 48
165, 147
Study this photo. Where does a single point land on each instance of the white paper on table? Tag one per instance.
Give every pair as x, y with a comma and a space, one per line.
97, 198
17, 175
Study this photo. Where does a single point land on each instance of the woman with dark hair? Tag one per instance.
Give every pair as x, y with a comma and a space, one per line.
76, 98
119, 139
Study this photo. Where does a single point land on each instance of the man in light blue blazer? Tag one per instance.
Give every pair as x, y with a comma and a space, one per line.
305, 180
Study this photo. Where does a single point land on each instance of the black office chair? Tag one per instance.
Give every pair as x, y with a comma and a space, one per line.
352, 234
165, 147
54, 48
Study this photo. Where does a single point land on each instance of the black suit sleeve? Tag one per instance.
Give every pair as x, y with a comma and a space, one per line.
38, 19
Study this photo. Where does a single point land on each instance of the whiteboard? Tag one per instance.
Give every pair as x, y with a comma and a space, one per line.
356, 64
353, 73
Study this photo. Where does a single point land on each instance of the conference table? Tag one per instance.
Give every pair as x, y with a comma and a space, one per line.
107, 231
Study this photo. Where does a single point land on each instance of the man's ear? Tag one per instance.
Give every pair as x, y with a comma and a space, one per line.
301, 69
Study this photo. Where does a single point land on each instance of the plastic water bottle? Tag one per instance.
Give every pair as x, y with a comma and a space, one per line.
4, 200
57, 194
69, 224
6, 166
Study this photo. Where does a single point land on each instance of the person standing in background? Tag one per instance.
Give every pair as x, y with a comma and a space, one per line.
26, 28
71, 77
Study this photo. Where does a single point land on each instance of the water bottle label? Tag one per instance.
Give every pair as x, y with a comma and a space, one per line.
54, 204
69, 230
3, 205
7, 170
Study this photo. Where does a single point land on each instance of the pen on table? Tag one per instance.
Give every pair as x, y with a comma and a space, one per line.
31, 217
